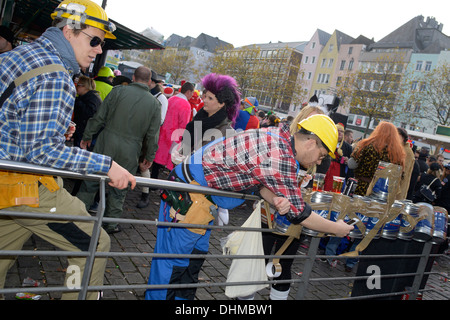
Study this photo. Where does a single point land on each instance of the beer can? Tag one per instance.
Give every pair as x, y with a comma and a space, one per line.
350, 187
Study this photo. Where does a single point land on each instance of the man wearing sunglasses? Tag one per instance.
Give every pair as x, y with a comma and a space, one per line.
34, 116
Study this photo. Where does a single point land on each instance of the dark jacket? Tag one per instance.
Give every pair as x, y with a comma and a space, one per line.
85, 108
444, 199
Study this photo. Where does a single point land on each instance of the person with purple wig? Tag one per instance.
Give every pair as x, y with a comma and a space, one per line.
221, 107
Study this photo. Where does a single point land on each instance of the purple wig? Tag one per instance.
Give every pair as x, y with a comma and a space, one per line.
225, 88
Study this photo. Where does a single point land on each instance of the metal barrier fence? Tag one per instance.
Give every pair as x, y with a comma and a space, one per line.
302, 284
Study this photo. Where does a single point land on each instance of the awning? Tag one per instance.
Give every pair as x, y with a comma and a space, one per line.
33, 17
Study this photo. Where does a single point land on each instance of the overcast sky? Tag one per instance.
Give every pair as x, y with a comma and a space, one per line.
243, 22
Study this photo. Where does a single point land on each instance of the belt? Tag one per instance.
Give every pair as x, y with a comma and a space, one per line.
364, 179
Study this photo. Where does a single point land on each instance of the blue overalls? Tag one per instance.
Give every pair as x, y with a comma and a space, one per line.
182, 241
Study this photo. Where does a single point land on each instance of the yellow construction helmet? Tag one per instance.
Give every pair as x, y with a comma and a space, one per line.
105, 72
87, 12
323, 127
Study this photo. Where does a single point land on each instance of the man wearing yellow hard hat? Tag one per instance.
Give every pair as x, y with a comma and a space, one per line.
35, 112
262, 160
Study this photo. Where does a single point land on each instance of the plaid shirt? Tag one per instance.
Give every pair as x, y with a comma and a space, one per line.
35, 117
253, 158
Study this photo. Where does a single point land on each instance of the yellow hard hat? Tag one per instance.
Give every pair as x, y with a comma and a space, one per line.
324, 128
87, 12
105, 72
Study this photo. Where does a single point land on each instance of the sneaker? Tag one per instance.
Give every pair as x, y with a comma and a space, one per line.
145, 200
333, 263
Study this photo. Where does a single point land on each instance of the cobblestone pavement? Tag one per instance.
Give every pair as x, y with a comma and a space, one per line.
48, 270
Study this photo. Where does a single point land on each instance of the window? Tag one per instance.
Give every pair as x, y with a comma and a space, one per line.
327, 78
313, 45
414, 85
331, 47
309, 75
324, 61
330, 63
338, 81
376, 85
419, 65
417, 108
423, 87
313, 60
428, 66
342, 65
319, 78
350, 50
350, 65
306, 59
380, 67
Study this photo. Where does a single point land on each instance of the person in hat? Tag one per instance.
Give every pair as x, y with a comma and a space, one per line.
261, 160
196, 103
6, 39
247, 118
104, 81
34, 118
156, 89
431, 179
168, 92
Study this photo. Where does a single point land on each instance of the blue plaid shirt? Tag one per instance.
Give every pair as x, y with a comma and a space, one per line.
35, 117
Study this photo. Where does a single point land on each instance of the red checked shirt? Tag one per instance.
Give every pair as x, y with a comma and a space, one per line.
255, 157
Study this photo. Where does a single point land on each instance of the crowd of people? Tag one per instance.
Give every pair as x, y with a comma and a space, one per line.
213, 138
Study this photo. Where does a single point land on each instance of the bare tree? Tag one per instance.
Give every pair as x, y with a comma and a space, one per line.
428, 95
372, 90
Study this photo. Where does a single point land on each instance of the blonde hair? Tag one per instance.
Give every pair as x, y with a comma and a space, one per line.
304, 113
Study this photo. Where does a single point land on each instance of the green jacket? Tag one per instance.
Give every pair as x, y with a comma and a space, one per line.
127, 115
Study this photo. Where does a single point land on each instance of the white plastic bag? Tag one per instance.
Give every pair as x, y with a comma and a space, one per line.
245, 270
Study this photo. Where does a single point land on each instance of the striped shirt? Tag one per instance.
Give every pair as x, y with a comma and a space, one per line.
35, 117
254, 158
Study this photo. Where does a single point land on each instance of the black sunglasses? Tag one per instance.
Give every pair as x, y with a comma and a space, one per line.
95, 41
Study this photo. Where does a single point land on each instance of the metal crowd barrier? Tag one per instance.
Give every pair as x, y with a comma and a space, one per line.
302, 284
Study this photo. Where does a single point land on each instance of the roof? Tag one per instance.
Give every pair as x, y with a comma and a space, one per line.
210, 44
298, 45
418, 35
343, 38
203, 41
323, 37
33, 17
363, 40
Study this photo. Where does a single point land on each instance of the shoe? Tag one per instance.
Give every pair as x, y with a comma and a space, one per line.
93, 208
333, 263
145, 200
112, 230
